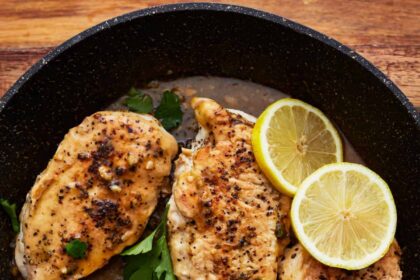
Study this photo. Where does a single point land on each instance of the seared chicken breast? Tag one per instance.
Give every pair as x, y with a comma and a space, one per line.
298, 264
225, 219
100, 187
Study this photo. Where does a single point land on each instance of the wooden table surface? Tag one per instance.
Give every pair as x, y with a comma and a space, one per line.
386, 32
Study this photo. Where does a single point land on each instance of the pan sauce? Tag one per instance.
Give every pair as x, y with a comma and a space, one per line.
231, 93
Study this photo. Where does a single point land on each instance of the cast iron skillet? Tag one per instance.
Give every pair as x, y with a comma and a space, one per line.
97, 66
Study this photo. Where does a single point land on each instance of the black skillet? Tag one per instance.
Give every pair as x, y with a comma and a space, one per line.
97, 66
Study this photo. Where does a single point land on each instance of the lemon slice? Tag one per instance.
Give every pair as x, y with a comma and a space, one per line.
291, 139
344, 215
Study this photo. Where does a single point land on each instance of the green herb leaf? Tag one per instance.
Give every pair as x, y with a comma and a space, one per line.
142, 247
132, 270
10, 209
169, 111
139, 102
76, 249
165, 266
150, 263
145, 272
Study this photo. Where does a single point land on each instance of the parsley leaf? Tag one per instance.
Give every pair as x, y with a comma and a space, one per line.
142, 247
150, 259
169, 111
165, 266
138, 102
76, 249
144, 273
10, 209
139, 267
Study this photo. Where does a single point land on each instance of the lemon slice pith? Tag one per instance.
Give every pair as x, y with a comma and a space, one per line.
344, 215
291, 139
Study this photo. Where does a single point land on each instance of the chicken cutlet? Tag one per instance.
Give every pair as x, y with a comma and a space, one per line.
225, 220
298, 264
100, 188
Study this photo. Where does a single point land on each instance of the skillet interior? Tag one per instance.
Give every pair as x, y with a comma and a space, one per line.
93, 69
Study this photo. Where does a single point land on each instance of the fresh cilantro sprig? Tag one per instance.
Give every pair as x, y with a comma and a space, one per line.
139, 102
76, 249
150, 258
10, 209
169, 111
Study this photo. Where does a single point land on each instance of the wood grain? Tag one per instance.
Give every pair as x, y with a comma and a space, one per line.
386, 32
